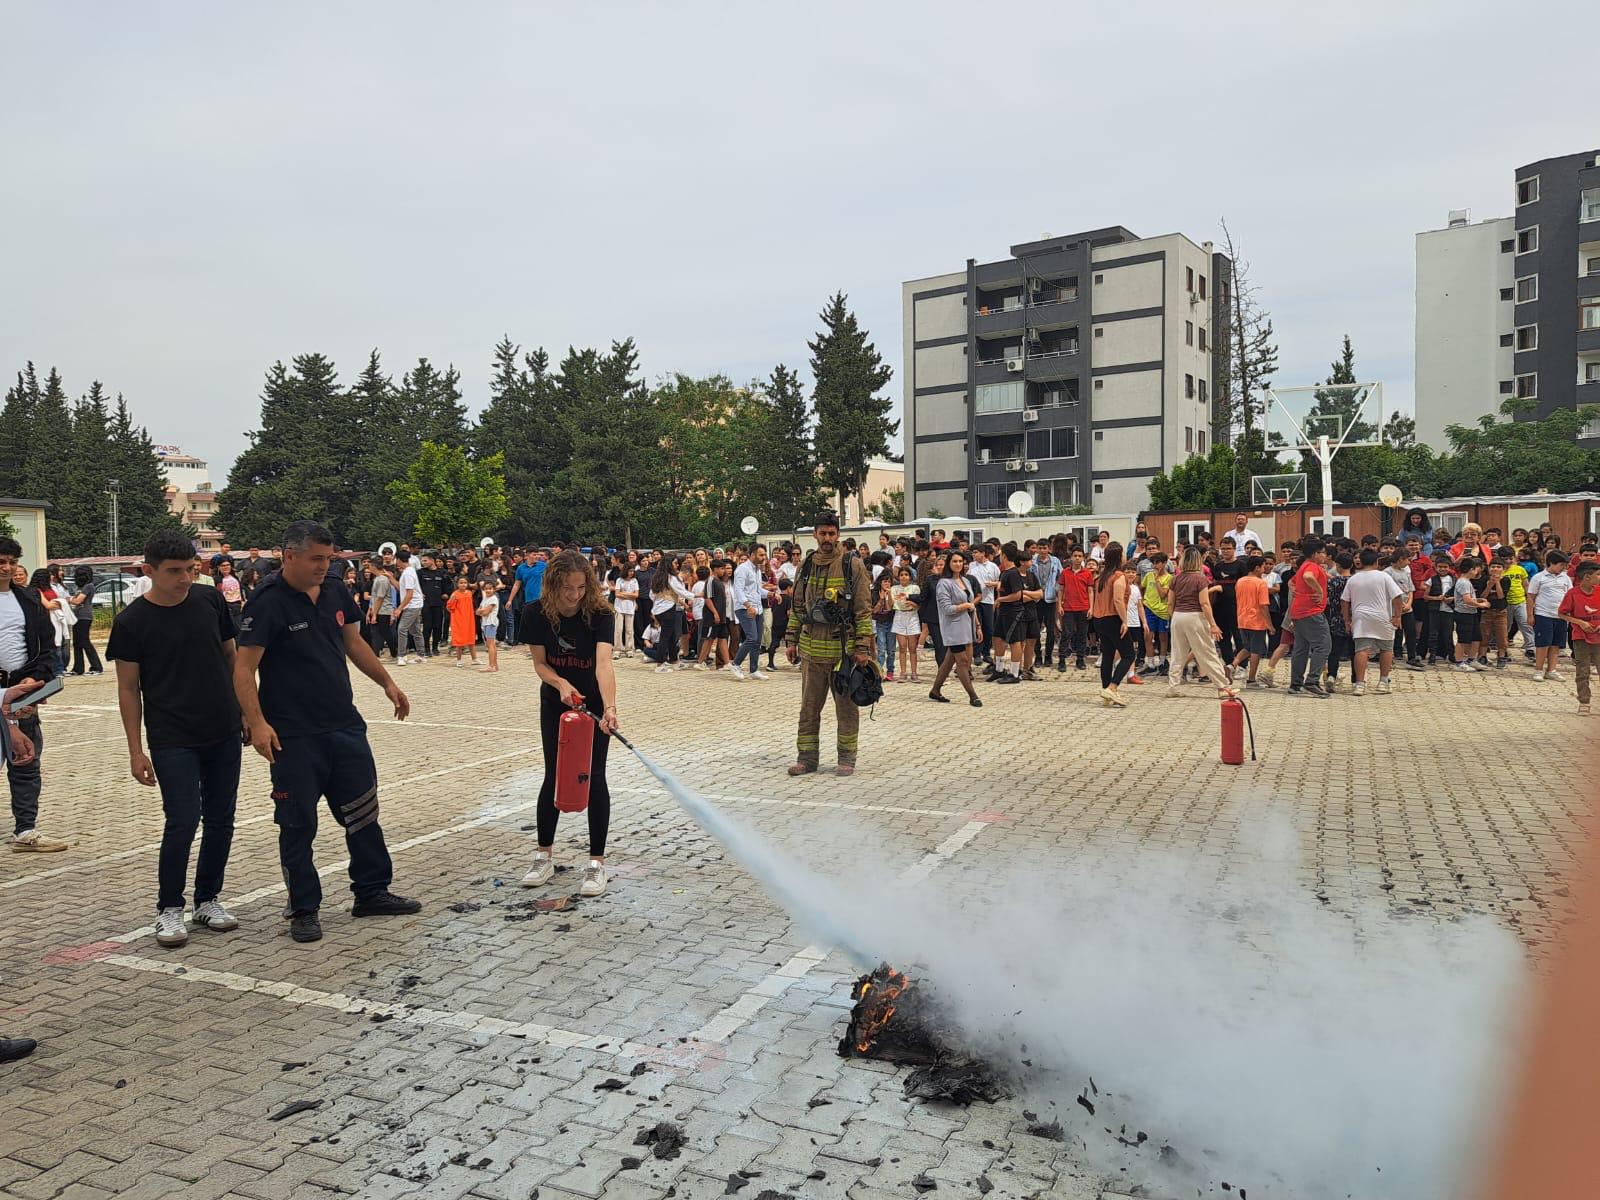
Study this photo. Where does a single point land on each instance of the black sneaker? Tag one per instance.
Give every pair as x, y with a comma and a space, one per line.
1315, 689
1165, 668
12, 1049
385, 904
305, 927
1415, 664
1081, 665
1294, 690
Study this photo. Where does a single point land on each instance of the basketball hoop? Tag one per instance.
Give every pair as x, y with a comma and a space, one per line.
1280, 502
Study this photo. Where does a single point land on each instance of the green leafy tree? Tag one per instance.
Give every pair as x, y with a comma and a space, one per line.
16, 429
1341, 403
141, 486
448, 498
890, 508
289, 471
853, 425
785, 486
1217, 480
1400, 431
607, 419
516, 423
79, 524
362, 508
49, 438
1514, 456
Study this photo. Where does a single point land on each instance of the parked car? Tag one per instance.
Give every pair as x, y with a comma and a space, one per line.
113, 590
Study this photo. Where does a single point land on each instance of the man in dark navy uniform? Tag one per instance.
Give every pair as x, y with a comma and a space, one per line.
298, 629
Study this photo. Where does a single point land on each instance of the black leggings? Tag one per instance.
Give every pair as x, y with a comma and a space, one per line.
547, 814
1113, 645
81, 645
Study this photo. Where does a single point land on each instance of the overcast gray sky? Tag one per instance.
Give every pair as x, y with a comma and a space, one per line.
191, 191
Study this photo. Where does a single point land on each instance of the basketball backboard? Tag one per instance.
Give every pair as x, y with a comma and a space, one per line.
1278, 491
1347, 414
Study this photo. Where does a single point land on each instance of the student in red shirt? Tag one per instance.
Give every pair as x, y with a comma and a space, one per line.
1308, 608
1076, 583
1580, 608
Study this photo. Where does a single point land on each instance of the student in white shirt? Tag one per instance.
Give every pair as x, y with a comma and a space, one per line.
1545, 591
626, 592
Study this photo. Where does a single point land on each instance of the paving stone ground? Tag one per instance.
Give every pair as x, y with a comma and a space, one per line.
461, 1052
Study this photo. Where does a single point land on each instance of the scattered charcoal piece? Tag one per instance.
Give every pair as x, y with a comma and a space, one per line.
1027, 1062
297, 1106
563, 867
119, 1084
459, 1159
291, 1066
735, 1182
610, 1085
664, 1139
465, 906
1051, 1132
817, 1175
1029, 1115
632, 1164
1085, 1102
519, 916
874, 1162
750, 1174
987, 1144
769, 1194
1226, 1186
380, 1018
984, 1186
639, 1069
527, 828
408, 981
923, 1184
1092, 1087
818, 1102
564, 927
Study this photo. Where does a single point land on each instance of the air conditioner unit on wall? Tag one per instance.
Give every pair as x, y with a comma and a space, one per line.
1013, 464
983, 456
1030, 414
1035, 284
1030, 465
1013, 364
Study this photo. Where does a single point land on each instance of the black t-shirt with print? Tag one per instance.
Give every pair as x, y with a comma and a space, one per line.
569, 647
186, 684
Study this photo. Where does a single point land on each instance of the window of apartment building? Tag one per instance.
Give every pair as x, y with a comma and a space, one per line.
1592, 267
1507, 246
1188, 386
1099, 331
992, 497
999, 397
1505, 293
1099, 278
1048, 493
1589, 313
1591, 372
1188, 333
1202, 339
1200, 441
1100, 487
1205, 397
1099, 435
1053, 443
1527, 289
1188, 279
1188, 438
1202, 287
1099, 385
1591, 429
1527, 337
1528, 239
1528, 190
1589, 205
1506, 386
1527, 387
1507, 340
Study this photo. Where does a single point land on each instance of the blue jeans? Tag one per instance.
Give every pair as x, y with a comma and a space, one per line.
199, 787
886, 645
337, 765
749, 640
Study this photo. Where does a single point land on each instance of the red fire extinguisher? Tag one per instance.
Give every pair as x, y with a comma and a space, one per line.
574, 757
1235, 720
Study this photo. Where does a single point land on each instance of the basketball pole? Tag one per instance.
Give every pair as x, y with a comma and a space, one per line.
1325, 459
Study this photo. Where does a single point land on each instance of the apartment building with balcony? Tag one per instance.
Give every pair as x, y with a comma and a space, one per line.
1075, 369
1511, 306
190, 497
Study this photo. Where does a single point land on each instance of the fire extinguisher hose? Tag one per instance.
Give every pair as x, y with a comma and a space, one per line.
1250, 727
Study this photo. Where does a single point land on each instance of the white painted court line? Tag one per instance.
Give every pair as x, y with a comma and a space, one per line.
151, 847
731, 1019
410, 724
400, 1014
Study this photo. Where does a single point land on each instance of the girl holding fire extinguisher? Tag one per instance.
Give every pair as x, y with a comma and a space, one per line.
570, 630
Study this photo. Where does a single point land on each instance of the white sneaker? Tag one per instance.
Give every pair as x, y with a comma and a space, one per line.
687, 666
1384, 687
170, 929
1356, 689
1477, 666
594, 879
1464, 666
1538, 676
663, 667
737, 672
544, 867
212, 915
1553, 675
759, 674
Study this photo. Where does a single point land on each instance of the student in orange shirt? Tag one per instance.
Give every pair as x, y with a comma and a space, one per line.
463, 633
1253, 605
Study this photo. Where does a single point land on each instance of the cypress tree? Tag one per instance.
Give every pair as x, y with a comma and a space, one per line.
507, 426
852, 418
142, 496
16, 431
788, 466
78, 526
49, 441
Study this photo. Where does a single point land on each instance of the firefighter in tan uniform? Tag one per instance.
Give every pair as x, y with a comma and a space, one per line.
830, 619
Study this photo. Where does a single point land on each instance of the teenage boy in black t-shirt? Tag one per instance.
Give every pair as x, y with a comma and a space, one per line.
173, 647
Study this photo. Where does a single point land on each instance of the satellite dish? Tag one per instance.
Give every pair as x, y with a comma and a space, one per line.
749, 525
486, 543
1390, 495
386, 548
1020, 503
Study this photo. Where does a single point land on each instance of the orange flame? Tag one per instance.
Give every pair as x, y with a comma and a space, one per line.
877, 1005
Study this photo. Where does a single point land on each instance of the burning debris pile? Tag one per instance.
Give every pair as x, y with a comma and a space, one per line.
897, 1021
